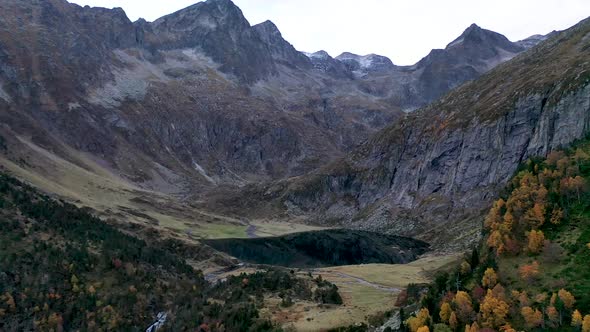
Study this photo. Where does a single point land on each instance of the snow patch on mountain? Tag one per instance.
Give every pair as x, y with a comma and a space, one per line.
322, 55
202, 171
4, 95
456, 42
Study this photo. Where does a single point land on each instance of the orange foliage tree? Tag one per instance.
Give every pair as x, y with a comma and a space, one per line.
529, 272
464, 307
533, 318
493, 311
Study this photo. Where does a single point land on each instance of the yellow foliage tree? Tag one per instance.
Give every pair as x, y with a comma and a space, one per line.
494, 216
420, 320
536, 241
423, 329
577, 318
493, 311
490, 279
445, 312
586, 324
567, 298
495, 242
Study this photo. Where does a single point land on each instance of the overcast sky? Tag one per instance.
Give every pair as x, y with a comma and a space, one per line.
404, 30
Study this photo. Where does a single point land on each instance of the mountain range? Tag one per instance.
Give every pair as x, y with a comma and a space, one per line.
205, 107
202, 95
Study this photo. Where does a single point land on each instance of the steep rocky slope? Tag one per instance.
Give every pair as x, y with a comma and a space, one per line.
199, 98
433, 172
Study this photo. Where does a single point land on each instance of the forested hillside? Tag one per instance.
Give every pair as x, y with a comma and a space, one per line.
61, 269
533, 272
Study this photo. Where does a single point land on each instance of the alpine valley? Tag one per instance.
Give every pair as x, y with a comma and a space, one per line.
202, 168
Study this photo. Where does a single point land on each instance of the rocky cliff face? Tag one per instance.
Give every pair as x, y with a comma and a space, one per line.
198, 98
432, 173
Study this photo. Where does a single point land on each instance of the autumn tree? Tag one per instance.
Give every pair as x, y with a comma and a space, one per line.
472, 328
464, 307
495, 214
566, 298
490, 278
572, 187
536, 241
493, 311
529, 272
577, 318
445, 312
535, 216
453, 321
507, 328
423, 329
552, 315
523, 299
586, 324
533, 318
420, 320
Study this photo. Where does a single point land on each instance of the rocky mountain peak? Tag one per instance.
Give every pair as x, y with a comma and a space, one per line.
281, 50
366, 63
208, 15
477, 37
323, 62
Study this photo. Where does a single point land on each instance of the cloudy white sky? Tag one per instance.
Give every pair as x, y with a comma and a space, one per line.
404, 30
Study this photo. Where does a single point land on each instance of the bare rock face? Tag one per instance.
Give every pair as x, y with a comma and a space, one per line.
280, 49
218, 28
433, 174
